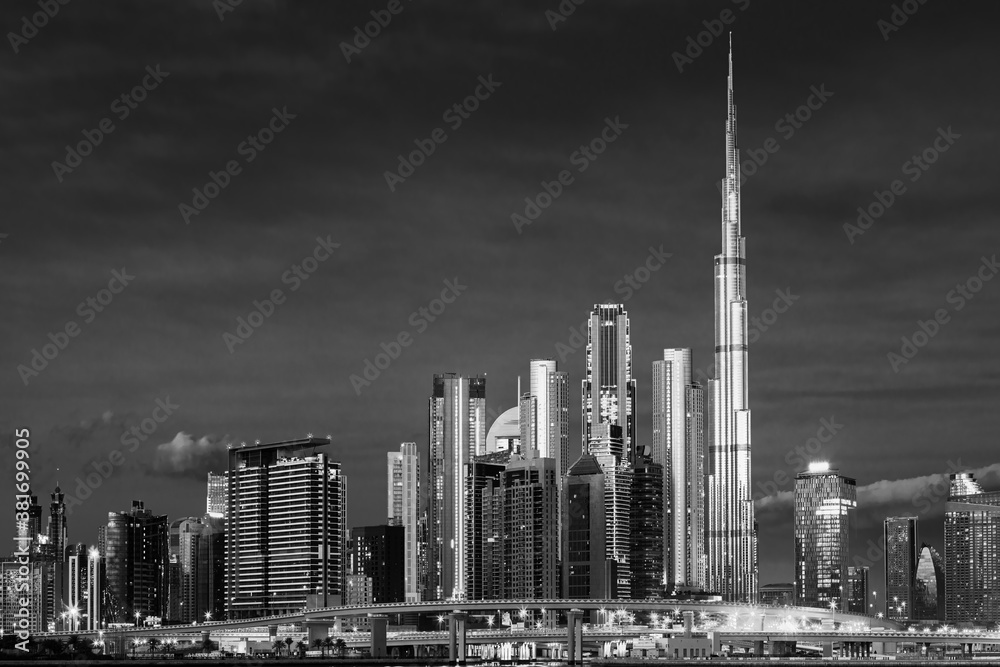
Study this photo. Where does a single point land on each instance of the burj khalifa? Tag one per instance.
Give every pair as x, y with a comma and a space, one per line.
731, 528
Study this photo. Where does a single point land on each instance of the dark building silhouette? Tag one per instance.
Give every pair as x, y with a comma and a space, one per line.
378, 552
136, 563
646, 530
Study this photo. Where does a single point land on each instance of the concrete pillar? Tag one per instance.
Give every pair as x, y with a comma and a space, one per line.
452, 639
688, 622
378, 644
272, 633
758, 647
315, 630
827, 649
456, 636
572, 616
205, 636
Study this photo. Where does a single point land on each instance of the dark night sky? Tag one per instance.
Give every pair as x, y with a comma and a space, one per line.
323, 176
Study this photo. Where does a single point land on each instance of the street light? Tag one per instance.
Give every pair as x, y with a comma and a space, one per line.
208, 616
138, 614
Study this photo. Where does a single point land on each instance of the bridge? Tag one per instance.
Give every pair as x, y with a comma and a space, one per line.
730, 623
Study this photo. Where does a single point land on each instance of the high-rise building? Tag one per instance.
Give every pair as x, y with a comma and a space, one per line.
13, 578
378, 552
136, 557
529, 488
608, 389
528, 423
218, 491
971, 545
678, 445
928, 586
83, 589
457, 432
285, 529
731, 531
607, 445
646, 559
824, 507
482, 475
587, 572
197, 562
900, 534
403, 480
857, 590
550, 387
57, 532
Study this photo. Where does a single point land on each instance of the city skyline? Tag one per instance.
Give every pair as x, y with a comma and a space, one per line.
189, 297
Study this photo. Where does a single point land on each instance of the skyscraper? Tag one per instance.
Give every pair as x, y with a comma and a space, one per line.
732, 534
58, 535
857, 590
136, 557
530, 529
529, 423
285, 528
678, 446
197, 563
608, 389
482, 476
587, 572
928, 586
900, 534
378, 553
824, 506
215, 503
403, 479
607, 446
457, 432
971, 545
550, 387
646, 528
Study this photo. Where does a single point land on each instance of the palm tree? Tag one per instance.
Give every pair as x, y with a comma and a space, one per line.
288, 646
134, 643
341, 646
277, 646
153, 643
207, 645
301, 647
328, 643
318, 643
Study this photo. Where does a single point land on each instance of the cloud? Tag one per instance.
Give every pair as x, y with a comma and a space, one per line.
915, 495
186, 457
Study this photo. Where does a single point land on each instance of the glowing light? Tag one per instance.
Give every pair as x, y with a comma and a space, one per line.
819, 466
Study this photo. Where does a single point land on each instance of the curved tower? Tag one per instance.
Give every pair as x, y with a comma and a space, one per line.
732, 534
